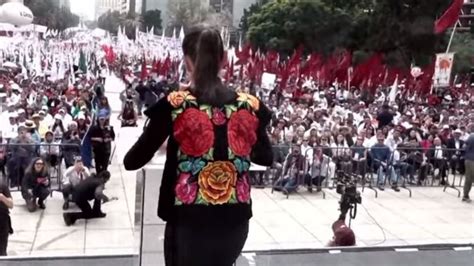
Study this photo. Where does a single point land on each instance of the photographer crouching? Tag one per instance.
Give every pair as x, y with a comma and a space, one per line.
350, 197
91, 188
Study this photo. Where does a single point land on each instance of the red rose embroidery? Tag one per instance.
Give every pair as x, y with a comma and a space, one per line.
194, 132
218, 117
243, 189
185, 192
242, 132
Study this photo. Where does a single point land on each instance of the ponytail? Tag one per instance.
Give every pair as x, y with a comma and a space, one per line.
205, 47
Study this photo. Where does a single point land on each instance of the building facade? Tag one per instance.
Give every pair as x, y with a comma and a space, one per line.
103, 6
233, 7
466, 18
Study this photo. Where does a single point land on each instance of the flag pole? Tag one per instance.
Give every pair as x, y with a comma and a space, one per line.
452, 35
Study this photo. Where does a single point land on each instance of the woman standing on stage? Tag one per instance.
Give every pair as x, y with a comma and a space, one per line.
214, 134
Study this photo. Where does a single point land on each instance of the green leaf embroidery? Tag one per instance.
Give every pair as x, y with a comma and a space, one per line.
177, 202
204, 107
201, 200
175, 113
182, 156
193, 103
210, 155
230, 154
228, 112
233, 198
185, 166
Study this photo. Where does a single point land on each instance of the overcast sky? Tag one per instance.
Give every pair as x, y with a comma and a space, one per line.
83, 7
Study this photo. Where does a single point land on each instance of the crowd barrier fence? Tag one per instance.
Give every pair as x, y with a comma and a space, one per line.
15, 164
322, 167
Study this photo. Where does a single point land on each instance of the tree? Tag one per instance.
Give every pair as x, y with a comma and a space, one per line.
185, 13
248, 12
47, 13
152, 18
463, 45
311, 24
110, 21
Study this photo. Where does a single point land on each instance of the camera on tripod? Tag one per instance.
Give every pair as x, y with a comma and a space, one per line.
350, 197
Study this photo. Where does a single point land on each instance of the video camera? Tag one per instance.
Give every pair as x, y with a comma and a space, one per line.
350, 197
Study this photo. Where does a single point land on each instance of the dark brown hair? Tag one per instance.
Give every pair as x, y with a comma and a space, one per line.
203, 44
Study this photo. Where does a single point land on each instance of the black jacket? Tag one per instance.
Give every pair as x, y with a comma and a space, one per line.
199, 150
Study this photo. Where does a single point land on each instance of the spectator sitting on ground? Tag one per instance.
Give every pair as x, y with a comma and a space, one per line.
35, 185
72, 177
293, 168
128, 116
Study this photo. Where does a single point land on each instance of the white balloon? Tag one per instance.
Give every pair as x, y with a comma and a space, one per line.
16, 14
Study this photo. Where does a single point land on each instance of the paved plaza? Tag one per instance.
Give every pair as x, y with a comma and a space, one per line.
303, 221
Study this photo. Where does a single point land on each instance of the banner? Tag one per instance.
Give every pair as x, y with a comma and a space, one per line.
268, 80
443, 68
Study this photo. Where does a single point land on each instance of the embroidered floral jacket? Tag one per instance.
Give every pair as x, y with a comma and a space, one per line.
209, 153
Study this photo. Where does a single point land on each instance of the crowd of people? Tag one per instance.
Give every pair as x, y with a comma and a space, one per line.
45, 125
319, 133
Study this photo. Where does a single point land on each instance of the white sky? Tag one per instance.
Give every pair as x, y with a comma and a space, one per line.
83, 7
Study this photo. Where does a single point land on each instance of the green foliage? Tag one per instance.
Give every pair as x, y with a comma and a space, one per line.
284, 25
401, 29
152, 18
111, 20
463, 46
49, 14
252, 9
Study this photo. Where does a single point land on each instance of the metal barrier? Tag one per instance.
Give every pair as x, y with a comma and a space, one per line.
20, 163
404, 167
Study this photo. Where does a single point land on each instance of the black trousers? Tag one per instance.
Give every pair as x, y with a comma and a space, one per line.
197, 245
67, 190
101, 160
4, 232
87, 212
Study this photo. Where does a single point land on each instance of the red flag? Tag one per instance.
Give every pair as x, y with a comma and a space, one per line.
449, 18
144, 73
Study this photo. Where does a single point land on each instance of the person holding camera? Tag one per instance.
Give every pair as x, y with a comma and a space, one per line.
6, 203
343, 235
91, 188
72, 177
35, 185
102, 136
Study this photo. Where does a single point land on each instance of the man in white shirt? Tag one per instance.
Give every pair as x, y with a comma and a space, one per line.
11, 130
394, 140
72, 177
438, 155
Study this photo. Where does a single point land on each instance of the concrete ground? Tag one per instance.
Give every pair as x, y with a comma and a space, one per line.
430, 216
